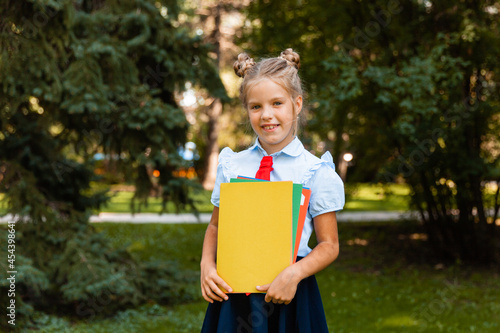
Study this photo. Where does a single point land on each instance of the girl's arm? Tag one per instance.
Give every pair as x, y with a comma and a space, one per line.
283, 288
210, 281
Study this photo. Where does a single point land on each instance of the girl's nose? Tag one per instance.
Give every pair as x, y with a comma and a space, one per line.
267, 112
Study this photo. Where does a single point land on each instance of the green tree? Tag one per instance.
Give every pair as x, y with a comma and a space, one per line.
410, 88
77, 78
217, 122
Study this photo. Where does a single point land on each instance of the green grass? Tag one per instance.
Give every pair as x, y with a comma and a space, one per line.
3, 204
377, 197
120, 203
359, 197
383, 281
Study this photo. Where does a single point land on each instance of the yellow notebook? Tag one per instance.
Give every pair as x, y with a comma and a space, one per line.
254, 233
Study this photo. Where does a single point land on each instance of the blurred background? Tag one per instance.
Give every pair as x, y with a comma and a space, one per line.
122, 107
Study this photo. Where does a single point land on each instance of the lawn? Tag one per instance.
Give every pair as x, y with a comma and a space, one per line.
3, 204
359, 197
383, 281
120, 203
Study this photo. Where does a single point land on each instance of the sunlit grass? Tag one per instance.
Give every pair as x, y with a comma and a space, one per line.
371, 287
120, 203
3, 204
359, 197
377, 197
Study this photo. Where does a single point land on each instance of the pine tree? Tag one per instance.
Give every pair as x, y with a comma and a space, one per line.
77, 78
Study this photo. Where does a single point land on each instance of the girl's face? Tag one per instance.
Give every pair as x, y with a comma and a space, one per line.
272, 116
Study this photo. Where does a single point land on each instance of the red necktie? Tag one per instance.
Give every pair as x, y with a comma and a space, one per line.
266, 166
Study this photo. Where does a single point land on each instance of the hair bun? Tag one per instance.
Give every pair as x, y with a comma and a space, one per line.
243, 64
291, 57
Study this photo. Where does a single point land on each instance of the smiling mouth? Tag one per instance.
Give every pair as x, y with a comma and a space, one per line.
269, 127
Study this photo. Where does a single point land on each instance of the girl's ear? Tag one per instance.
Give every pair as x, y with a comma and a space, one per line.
298, 104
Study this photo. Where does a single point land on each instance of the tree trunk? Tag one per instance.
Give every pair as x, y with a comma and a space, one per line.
212, 148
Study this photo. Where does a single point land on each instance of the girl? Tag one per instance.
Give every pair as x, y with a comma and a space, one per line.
271, 93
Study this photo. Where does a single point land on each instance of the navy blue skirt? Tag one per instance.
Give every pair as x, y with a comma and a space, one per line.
252, 314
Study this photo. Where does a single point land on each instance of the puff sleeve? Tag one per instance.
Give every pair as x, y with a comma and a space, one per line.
223, 173
327, 187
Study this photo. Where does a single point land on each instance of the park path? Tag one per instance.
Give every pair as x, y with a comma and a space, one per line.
367, 216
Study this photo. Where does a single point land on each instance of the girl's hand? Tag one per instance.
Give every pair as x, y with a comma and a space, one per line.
210, 282
283, 288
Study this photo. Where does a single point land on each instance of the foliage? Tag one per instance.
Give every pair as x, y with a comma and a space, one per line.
410, 89
79, 78
385, 280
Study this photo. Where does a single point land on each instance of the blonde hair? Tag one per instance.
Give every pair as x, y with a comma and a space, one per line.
282, 70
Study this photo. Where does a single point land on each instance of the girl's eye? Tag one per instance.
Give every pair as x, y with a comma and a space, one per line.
255, 107
277, 103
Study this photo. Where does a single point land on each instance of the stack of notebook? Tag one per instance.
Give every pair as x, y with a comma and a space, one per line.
260, 225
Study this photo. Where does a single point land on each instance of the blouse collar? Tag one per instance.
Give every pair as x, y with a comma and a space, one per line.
294, 148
